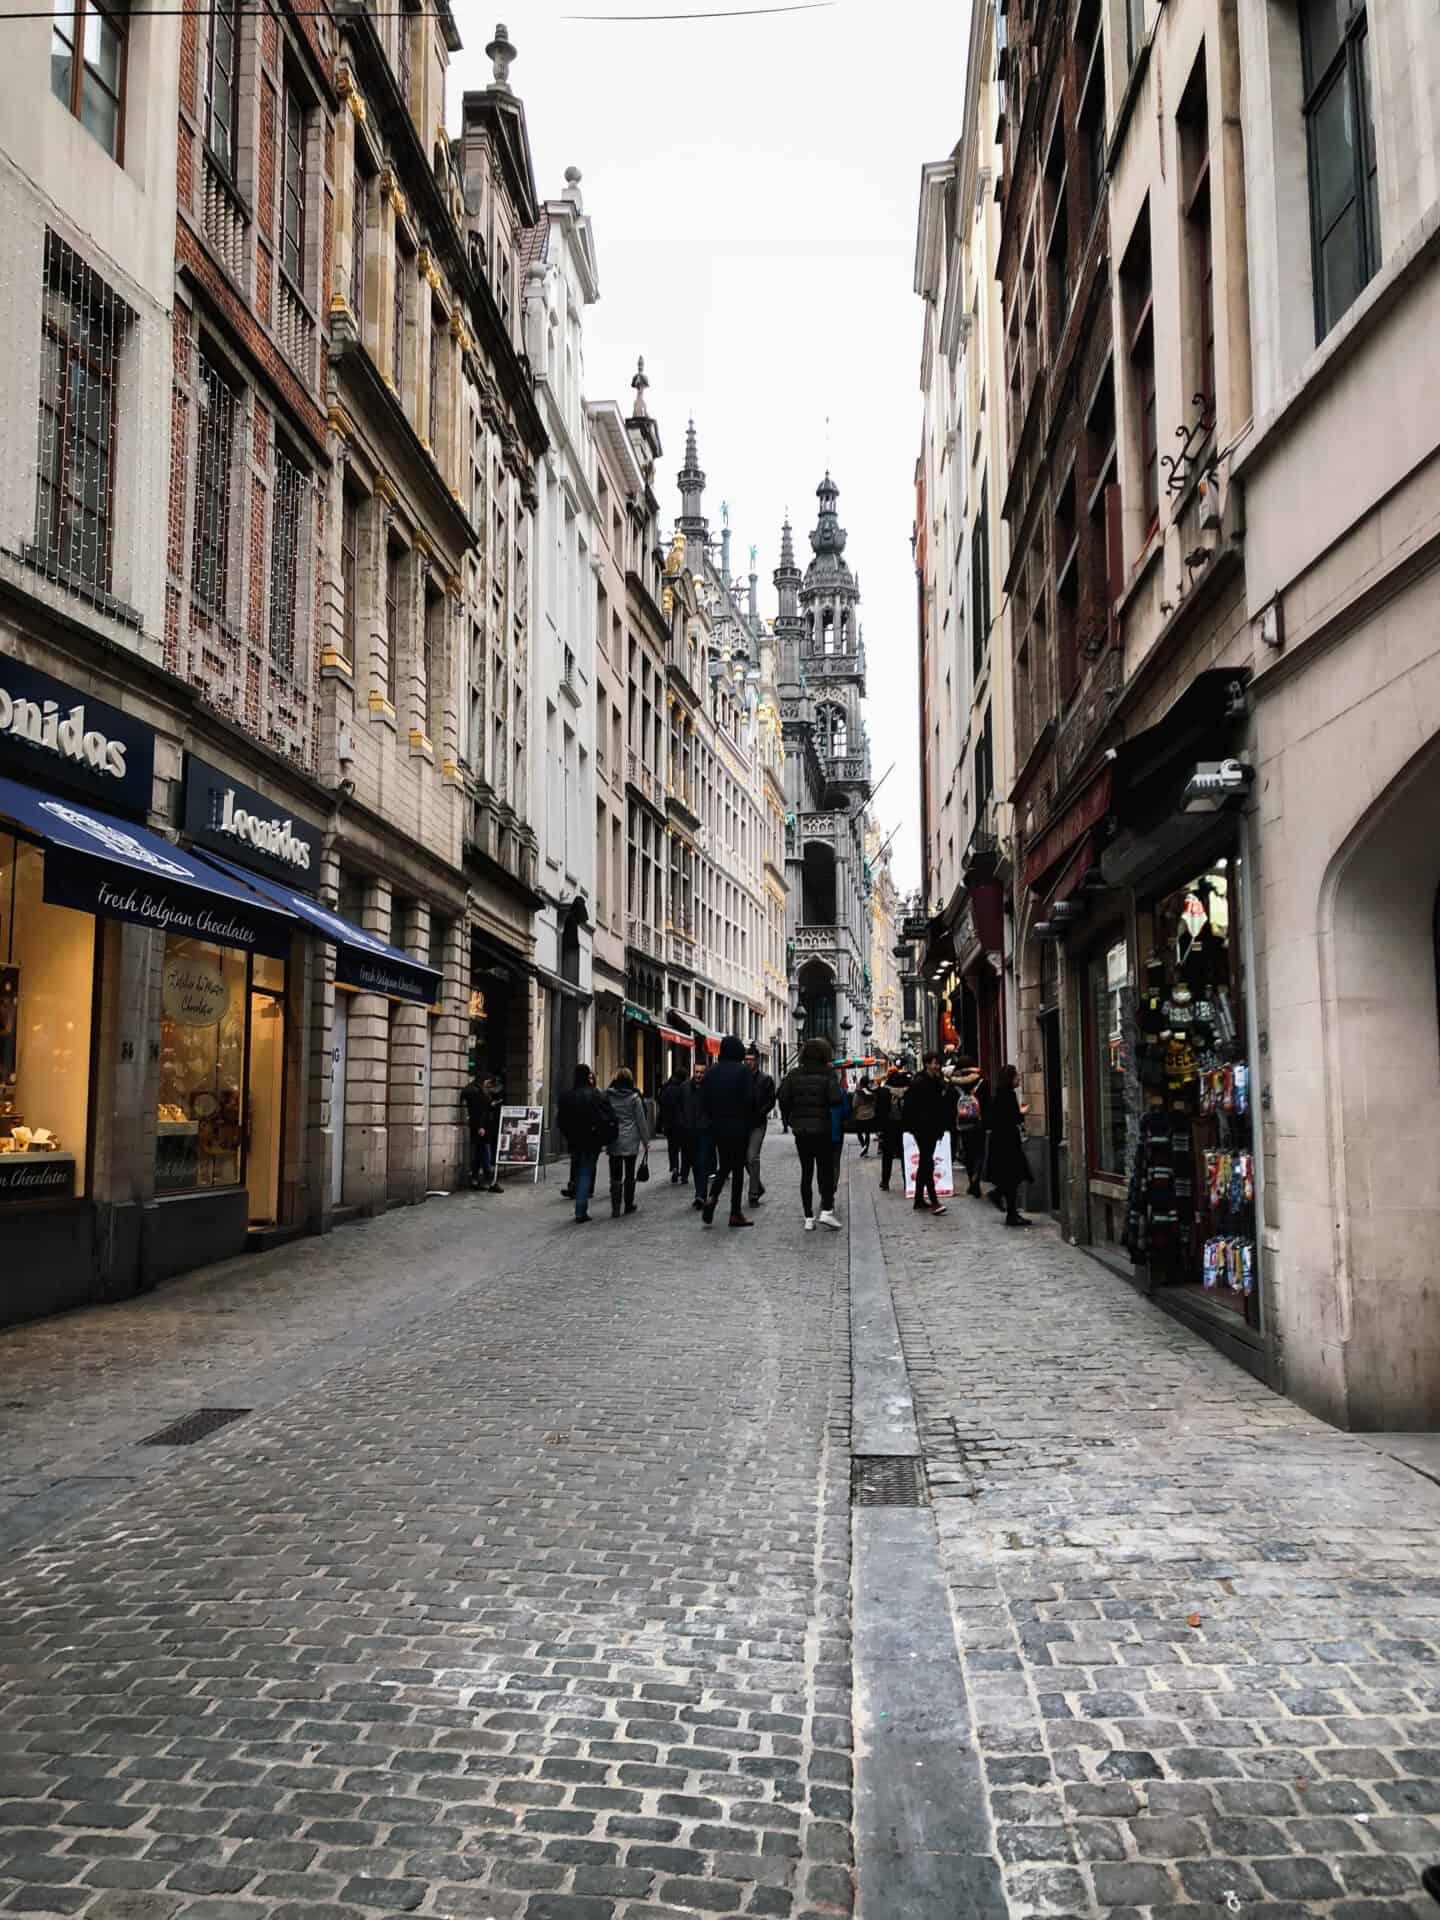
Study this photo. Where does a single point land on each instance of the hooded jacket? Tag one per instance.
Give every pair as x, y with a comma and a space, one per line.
691, 1107
809, 1091
729, 1094
672, 1105
634, 1129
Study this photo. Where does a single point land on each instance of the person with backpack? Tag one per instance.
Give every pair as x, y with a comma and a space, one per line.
926, 1116
730, 1101
972, 1119
585, 1119
672, 1125
888, 1101
764, 1105
810, 1094
631, 1142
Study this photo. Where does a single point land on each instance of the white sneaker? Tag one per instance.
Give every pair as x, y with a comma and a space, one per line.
809, 1224
830, 1220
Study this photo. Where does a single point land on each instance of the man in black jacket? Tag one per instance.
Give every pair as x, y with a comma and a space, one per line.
926, 1114
480, 1115
764, 1103
888, 1102
585, 1119
728, 1097
672, 1125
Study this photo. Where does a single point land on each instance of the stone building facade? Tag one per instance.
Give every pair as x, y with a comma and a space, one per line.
560, 282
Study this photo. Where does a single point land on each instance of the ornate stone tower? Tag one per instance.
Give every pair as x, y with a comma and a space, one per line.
821, 671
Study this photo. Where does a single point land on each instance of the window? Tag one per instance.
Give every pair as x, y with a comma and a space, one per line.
1139, 312
215, 441
359, 210
397, 322
1340, 138
82, 330
92, 86
222, 44
350, 570
286, 511
404, 27
292, 187
1109, 980
393, 559
433, 643
980, 579
47, 982
1193, 127
437, 322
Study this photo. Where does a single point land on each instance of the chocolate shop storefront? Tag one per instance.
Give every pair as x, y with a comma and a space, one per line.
1154, 914
153, 1004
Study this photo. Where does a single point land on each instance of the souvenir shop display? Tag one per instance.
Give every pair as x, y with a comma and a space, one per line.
1190, 1216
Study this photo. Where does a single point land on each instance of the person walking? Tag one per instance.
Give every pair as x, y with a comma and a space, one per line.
631, 1142
730, 1102
764, 1105
925, 1117
697, 1132
888, 1124
809, 1094
585, 1119
481, 1115
672, 1125
1006, 1162
864, 1116
972, 1121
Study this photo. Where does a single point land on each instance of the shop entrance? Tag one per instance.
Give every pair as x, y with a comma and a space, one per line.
264, 1104
1054, 1099
339, 1035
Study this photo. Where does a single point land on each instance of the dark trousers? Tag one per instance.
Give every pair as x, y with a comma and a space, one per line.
482, 1161
679, 1154
925, 1175
702, 1160
622, 1181
817, 1156
729, 1165
972, 1151
890, 1152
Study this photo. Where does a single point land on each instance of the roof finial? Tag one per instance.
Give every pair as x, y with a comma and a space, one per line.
639, 383
572, 186
501, 53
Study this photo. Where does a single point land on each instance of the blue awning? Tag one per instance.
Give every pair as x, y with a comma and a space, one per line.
362, 960
96, 863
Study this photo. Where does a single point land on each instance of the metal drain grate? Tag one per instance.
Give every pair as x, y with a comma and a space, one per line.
887, 1480
195, 1426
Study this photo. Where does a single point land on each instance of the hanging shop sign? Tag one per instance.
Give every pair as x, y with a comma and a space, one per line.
249, 829
195, 993
917, 927
1213, 782
58, 736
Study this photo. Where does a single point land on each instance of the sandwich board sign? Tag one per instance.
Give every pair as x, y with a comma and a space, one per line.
518, 1148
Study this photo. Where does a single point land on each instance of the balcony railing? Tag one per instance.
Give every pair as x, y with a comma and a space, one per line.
295, 330
645, 938
225, 220
642, 777
681, 948
849, 769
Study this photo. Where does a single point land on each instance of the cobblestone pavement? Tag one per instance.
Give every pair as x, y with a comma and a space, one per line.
524, 1594
1201, 1631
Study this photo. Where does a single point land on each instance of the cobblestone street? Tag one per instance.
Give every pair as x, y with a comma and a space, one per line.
525, 1587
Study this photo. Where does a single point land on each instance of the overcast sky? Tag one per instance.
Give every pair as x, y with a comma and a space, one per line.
753, 185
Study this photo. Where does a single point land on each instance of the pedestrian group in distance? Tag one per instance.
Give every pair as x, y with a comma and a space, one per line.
714, 1119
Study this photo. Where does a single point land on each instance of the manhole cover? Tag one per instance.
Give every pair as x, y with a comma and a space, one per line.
194, 1426
887, 1480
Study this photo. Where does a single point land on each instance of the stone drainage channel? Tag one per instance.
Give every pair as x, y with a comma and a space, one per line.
924, 1846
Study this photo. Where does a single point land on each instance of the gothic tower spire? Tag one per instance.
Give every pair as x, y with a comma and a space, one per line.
692, 490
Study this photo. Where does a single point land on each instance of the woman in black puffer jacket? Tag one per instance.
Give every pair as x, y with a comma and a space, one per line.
808, 1095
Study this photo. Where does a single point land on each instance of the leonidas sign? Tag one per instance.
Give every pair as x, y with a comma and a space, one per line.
59, 736
249, 829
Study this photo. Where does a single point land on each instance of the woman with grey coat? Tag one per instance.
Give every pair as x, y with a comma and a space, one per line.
631, 1143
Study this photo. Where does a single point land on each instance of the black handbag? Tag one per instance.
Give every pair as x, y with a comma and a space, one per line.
642, 1173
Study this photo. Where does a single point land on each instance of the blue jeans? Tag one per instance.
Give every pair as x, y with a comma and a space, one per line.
585, 1166
702, 1163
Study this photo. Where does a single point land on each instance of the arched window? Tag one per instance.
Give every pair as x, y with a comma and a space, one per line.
819, 890
834, 733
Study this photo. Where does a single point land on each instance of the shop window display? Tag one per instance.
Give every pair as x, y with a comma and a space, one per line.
1109, 1009
47, 977
200, 1122
1191, 1214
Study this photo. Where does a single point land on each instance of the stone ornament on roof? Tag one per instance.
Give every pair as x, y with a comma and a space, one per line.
501, 54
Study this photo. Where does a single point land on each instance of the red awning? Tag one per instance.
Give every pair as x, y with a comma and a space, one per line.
675, 1039
1074, 871
1088, 808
